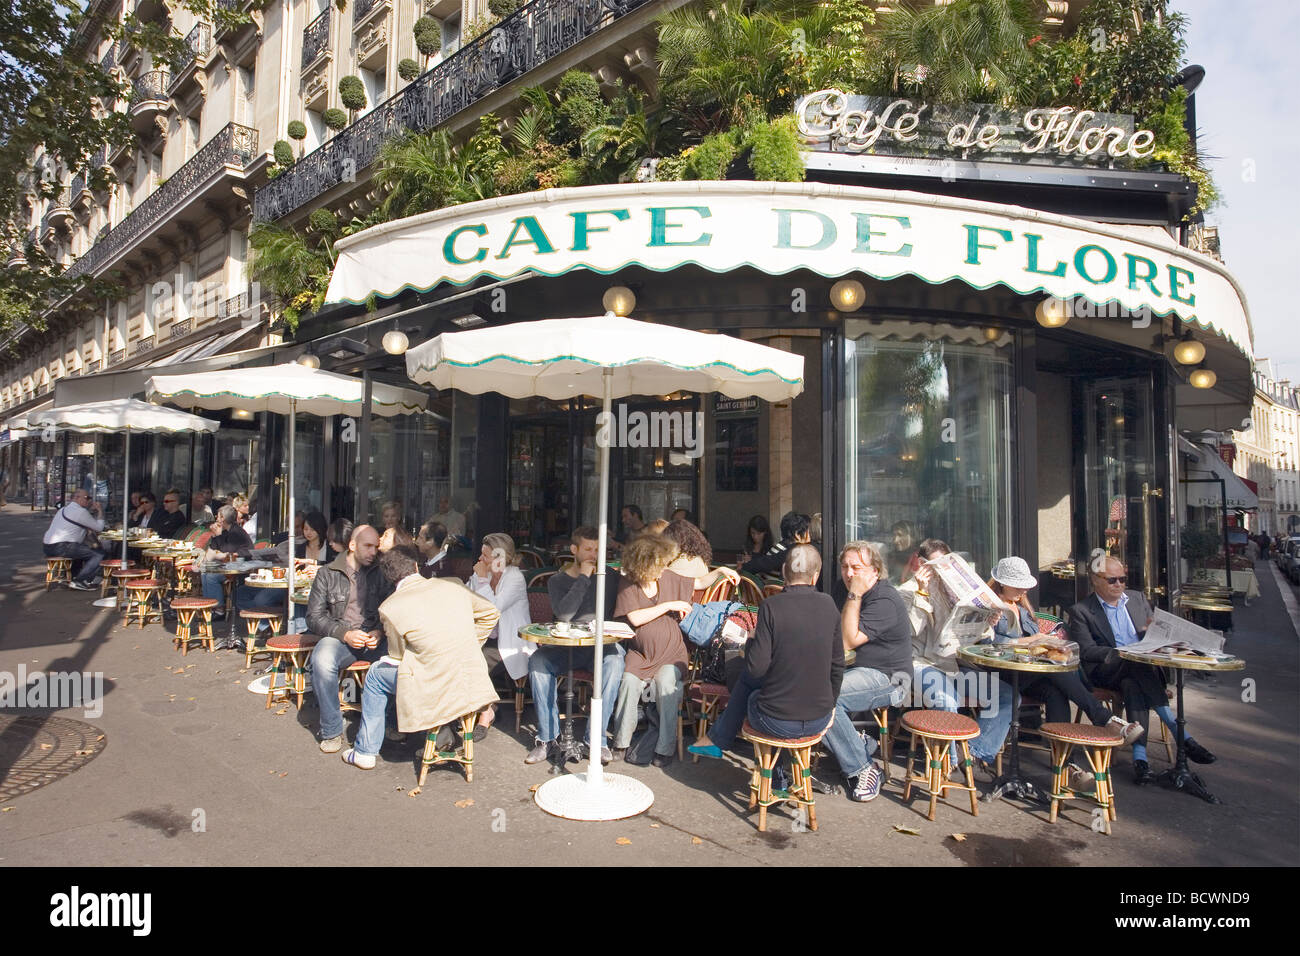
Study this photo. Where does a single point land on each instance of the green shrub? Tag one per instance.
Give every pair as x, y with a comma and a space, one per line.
297, 129
711, 158
581, 107
503, 8
323, 221
283, 152
352, 92
408, 69
775, 156
335, 119
428, 36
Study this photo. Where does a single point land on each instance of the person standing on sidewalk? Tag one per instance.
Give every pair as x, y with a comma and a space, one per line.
66, 538
343, 609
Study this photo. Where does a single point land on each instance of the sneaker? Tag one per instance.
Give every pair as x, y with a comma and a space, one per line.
866, 785
81, 586
606, 756
360, 761
394, 736
332, 745
539, 752
1079, 780
1130, 730
664, 760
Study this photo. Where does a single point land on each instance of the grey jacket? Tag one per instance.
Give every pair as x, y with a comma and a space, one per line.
329, 598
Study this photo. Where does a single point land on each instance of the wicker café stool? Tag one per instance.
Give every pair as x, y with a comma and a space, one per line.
357, 671
463, 755
253, 621
184, 577
143, 601
881, 716
1097, 744
1114, 702
936, 729
766, 751
106, 569
289, 653
709, 700
57, 569
186, 609
122, 577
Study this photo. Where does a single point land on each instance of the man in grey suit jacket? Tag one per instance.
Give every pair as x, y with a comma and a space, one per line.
1108, 619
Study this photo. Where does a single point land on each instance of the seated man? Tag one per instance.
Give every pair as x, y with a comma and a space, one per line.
573, 599
66, 538
875, 622
1103, 622
170, 519
343, 610
433, 542
794, 530
437, 658
228, 542
794, 663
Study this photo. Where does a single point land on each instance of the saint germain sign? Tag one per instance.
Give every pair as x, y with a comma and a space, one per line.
834, 121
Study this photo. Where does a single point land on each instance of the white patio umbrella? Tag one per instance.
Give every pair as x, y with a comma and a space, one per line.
285, 390
123, 415
610, 357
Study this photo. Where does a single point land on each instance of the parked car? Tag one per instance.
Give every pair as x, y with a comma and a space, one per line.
1288, 559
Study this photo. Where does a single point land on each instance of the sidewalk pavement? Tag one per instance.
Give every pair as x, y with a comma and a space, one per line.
196, 771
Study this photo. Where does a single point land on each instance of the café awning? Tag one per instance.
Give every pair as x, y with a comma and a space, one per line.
1204, 463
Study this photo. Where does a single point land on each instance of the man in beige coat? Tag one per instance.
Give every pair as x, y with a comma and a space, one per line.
434, 666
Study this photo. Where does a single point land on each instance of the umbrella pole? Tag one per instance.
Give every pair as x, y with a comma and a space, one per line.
595, 721
293, 418
126, 494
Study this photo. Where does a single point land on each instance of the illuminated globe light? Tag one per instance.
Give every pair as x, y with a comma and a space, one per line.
1202, 378
1189, 352
395, 342
242, 414
1052, 313
620, 300
308, 361
848, 295
991, 334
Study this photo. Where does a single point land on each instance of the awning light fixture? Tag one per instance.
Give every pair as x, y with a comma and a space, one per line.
620, 300
848, 295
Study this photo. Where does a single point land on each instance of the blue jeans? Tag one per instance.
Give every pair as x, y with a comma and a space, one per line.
213, 587
378, 699
864, 688
246, 598
744, 704
330, 658
943, 691
544, 668
77, 551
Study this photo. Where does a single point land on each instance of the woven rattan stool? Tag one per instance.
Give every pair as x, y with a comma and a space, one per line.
57, 569
936, 729
143, 601
289, 653
121, 578
253, 621
106, 569
184, 577
1097, 744
463, 755
357, 671
187, 608
766, 751
881, 716
1114, 702
709, 700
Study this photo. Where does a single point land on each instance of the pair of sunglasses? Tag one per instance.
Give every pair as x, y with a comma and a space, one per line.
1119, 580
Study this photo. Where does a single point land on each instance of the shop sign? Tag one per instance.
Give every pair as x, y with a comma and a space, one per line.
835, 121
728, 407
1228, 452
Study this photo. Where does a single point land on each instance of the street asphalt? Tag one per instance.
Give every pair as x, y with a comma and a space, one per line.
195, 771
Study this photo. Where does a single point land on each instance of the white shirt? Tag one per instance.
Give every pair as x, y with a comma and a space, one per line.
65, 526
453, 521
250, 526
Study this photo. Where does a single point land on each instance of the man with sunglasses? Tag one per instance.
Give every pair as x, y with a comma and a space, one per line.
66, 538
1108, 619
170, 519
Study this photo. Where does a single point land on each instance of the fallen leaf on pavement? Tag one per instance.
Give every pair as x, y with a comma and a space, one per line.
47, 746
467, 802
5, 809
282, 710
191, 698
623, 841
533, 788
100, 737
696, 840
413, 793
654, 826
285, 774
399, 789
959, 837
84, 753
907, 830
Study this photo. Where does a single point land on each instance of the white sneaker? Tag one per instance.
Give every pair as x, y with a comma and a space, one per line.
361, 761
1130, 730
1079, 780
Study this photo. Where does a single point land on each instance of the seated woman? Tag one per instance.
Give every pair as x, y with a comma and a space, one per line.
652, 600
758, 540
694, 555
394, 534
313, 545
1011, 582
497, 578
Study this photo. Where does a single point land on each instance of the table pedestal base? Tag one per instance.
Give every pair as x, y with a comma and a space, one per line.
615, 798
567, 750
104, 602
1180, 778
1017, 787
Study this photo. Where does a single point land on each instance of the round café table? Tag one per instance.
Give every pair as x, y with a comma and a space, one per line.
1179, 776
232, 571
990, 657
569, 747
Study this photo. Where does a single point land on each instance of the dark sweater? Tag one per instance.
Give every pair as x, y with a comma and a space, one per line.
883, 618
796, 654
574, 599
769, 562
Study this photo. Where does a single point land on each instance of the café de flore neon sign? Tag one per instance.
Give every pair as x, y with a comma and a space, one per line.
834, 121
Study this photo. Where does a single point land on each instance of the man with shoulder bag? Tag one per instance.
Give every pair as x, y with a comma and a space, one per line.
71, 534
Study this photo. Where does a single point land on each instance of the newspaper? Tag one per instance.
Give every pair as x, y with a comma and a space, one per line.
1168, 633
973, 601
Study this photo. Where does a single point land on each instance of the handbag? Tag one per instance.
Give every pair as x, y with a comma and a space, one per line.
91, 537
713, 657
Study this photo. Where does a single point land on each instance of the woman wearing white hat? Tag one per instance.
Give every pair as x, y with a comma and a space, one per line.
1012, 582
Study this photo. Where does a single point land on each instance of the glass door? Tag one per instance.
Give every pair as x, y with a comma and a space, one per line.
1123, 489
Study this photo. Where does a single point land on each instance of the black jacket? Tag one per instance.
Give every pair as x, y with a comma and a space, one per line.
329, 598
1090, 629
163, 524
796, 654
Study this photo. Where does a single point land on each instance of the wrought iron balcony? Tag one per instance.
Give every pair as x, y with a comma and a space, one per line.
109, 60
78, 186
116, 356
142, 345
520, 43
235, 145
361, 9
181, 328
197, 42
149, 88
92, 367
316, 38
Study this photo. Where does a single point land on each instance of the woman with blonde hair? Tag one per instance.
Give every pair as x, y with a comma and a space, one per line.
652, 600
394, 534
496, 578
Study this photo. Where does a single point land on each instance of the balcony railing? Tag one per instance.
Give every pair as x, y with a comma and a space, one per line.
315, 38
181, 328
521, 42
149, 87
92, 367
361, 9
109, 59
235, 145
116, 356
142, 345
78, 186
197, 42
